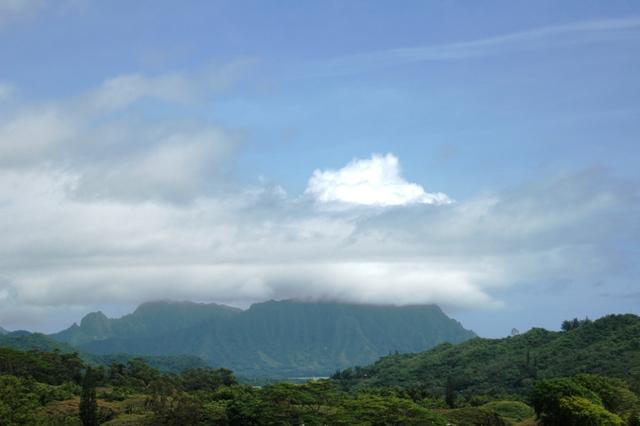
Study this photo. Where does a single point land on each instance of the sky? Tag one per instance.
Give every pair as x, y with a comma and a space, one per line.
482, 156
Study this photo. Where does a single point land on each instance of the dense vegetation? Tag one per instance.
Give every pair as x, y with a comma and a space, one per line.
275, 339
26, 341
57, 388
38, 388
508, 367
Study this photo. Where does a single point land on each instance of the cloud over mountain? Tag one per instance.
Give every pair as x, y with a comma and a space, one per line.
100, 204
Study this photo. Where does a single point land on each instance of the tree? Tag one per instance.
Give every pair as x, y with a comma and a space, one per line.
584, 400
17, 404
450, 393
546, 396
574, 323
88, 404
206, 379
370, 409
578, 411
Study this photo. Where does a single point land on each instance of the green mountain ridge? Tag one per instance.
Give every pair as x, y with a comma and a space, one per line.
609, 346
27, 341
275, 338
149, 319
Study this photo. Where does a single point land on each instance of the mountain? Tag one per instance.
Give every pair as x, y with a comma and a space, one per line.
609, 346
275, 338
148, 320
26, 341
3, 331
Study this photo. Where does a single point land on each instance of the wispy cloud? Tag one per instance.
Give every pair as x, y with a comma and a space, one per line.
534, 39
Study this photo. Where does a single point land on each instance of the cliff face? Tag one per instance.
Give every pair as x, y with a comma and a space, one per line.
272, 338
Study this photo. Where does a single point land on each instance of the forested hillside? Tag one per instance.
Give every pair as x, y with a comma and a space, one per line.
281, 339
25, 341
38, 388
609, 346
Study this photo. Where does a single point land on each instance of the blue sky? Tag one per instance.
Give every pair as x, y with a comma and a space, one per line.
200, 136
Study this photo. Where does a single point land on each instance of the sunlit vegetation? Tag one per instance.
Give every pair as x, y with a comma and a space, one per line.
55, 388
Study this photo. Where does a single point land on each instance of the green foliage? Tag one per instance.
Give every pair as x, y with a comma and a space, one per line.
371, 409
17, 403
585, 399
634, 418
271, 338
47, 367
25, 341
507, 367
474, 416
574, 323
614, 393
320, 403
514, 411
179, 409
547, 395
88, 404
163, 363
450, 393
201, 379
47, 393
398, 390
578, 411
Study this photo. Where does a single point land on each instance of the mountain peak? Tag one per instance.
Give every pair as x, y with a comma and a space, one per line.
276, 337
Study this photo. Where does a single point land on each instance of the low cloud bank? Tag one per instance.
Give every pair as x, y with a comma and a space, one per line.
98, 209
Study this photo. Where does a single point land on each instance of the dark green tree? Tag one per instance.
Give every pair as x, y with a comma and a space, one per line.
634, 419
206, 379
88, 403
583, 400
450, 393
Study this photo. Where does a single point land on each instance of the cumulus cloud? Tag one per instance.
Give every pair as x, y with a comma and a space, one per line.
372, 182
98, 206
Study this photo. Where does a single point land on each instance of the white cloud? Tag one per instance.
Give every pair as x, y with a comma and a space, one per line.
100, 208
255, 244
34, 134
113, 149
177, 164
373, 182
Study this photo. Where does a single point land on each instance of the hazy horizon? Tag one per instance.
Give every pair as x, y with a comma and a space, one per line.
483, 158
